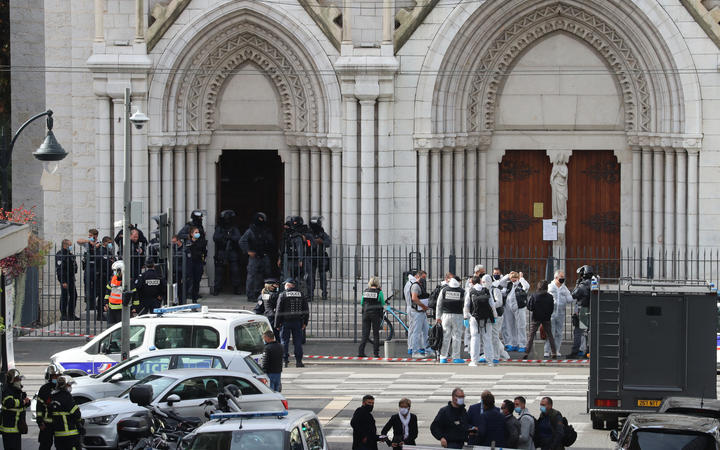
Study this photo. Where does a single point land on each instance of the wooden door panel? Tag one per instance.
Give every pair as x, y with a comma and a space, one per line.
593, 213
524, 181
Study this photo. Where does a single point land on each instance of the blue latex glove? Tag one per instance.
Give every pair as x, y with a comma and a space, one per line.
466, 322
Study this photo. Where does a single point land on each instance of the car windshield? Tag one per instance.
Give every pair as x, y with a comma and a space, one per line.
253, 366
668, 440
240, 440
248, 337
113, 369
158, 382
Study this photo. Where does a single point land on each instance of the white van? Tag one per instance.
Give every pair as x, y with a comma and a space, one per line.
187, 326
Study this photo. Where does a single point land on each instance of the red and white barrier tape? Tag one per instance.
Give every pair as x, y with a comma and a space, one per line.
63, 333
367, 358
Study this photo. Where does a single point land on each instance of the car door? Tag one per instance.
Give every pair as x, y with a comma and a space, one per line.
109, 347
135, 372
193, 392
199, 362
252, 398
314, 439
296, 442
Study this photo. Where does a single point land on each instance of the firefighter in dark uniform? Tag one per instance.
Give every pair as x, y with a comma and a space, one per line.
66, 416
227, 252
291, 318
44, 419
373, 305
150, 289
14, 402
267, 303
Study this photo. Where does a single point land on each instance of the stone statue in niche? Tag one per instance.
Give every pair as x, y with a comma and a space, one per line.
558, 183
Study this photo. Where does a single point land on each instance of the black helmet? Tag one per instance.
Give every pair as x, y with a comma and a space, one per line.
13, 375
259, 218
51, 372
196, 216
316, 222
297, 221
227, 214
585, 271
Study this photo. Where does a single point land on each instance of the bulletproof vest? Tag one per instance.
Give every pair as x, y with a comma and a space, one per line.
480, 304
453, 300
583, 293
294, 299
269, 302
151, 284
371, 301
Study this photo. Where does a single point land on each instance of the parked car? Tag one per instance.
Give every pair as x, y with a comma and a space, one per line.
181, 391
691, 406
654, 431
190, 327
270, 430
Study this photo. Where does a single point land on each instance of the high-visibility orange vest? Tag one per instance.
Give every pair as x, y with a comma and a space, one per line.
115, 297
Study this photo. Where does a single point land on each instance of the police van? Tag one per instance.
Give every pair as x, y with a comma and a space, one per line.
186, 326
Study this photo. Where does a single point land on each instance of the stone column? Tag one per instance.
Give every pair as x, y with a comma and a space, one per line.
637, 209
388, 23
305, 184
459, 201
191, 201
423, 197
681, 210
180, 216
337, 195
154, 180
350, 166
367, 172
471, 180
325, 192
203, 178
167, 179
139, 21
435, 207
692, 204
347, 19
658, 188
385, 163
647, 233
99, 20
211, 157
314, 182
482, 199
118, 159
295, 180
103, 160
669, 222
447, 195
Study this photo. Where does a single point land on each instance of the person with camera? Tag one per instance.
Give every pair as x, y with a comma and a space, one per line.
12, 412
65, 416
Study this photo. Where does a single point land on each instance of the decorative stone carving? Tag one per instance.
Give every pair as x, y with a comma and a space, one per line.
707, 14
495, 64
559, 186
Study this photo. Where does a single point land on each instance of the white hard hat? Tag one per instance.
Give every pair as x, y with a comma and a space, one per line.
118, 265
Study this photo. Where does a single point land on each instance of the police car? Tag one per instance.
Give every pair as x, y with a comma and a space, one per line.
187, 326
295, 429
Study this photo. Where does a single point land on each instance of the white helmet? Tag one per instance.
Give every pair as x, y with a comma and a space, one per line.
118, 266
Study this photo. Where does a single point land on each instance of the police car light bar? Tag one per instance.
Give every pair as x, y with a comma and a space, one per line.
169, 309
248, 415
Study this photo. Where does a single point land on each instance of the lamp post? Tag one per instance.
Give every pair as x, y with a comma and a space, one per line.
49, 151
138, 120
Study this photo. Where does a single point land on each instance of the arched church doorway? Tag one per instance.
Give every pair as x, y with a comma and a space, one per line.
250, 181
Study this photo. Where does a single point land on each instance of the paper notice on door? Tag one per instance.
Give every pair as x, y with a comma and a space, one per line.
550, 229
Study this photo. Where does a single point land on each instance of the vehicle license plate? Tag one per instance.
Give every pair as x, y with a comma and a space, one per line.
649, 403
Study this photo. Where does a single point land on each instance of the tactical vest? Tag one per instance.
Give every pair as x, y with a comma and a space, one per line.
480, 305
294, 302
371, 302
453, 300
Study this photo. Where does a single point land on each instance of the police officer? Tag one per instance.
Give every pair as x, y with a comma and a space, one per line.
291, 318
196, 250
66, 416
181, 268
294, 247
113, 307
258, 243
449, 306
321, 242
581, 310
196, 218
150, 289
14, 402
267, 303
65, 270
373, 306
91, 263
44, 419
227, 251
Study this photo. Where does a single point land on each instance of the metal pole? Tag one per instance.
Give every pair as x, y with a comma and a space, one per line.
170, 260
127, 180
4, 335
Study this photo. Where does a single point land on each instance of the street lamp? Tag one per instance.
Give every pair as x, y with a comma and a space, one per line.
50, 150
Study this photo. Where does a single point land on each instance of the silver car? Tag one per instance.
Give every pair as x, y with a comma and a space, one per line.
181, 391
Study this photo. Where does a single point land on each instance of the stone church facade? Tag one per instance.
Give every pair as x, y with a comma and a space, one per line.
450, 123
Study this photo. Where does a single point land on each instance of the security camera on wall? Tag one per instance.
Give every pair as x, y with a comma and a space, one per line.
139, 119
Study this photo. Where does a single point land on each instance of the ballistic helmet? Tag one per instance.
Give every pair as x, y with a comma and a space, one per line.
51, 372
585, 271
227, 214
259, 218
196, 217
297, 221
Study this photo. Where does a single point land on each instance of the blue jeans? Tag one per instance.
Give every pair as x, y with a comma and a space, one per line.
294, 328
275, 383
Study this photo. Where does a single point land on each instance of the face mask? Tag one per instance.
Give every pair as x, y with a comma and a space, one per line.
91, 239
404, 411
460, 400
109, 246
561, 280
496, 277
196, 235
543, 409
518, 410
69, 248
369, 408
54, 381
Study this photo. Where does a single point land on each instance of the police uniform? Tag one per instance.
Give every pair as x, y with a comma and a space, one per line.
114, 300
227, 252
66, 420
450, 306
196, 253
13, 416
267, 304
258, 240
291, 317
372, 315
150, 288
44, 418
65, 270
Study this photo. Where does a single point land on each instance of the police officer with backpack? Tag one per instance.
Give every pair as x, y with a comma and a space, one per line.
291, 318
267, 303
480, 312
373, 305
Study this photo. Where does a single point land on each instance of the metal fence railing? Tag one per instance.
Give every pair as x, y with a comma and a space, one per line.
337, 314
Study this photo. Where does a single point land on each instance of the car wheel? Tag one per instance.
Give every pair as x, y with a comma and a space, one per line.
597, 423
612, 424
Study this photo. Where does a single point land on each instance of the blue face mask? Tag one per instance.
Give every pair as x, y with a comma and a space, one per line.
518, 410
69, 248
91, 239
543, 409
109, 246
196, 235
54, 381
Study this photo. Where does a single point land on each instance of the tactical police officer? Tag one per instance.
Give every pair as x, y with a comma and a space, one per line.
267, 303
150, 289
227, 252
373, 306
320, 244
90, 264
66, 416
294, 247
44, 419
258, 243
14, 402
196, 218
581, 311
291, 318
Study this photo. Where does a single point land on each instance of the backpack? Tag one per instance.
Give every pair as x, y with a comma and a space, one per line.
569, 433
500, 309
435, 337
521, 297
480, 305
432, 300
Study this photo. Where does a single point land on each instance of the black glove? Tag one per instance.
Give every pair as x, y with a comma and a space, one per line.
575, 320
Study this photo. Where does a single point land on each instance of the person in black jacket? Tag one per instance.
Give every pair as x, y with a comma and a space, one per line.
65, 270
227, 252
549, 431
12, 414
291, 318
196, 248
267, 303
363, 424
512, 424
404, 426
43, 416
151, 288
259, 244
272, 360
488, 420
451, 425
541, 305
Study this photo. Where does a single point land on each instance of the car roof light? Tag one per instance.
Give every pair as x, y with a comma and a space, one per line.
171, 309
248, 415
